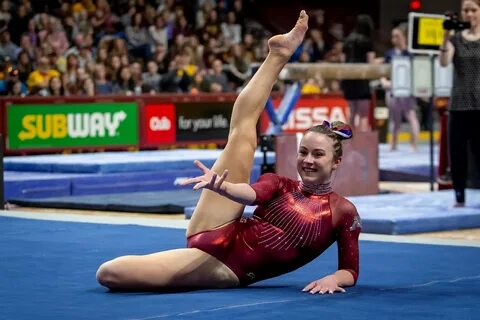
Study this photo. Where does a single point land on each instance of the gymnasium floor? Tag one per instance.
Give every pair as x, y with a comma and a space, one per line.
49, 259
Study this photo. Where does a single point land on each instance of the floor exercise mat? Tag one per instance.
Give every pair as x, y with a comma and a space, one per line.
410, 212
149, 202
48, 272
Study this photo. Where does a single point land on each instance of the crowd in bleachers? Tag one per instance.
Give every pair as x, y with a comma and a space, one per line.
87, 47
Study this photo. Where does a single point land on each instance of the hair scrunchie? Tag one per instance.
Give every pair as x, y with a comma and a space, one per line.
344, 131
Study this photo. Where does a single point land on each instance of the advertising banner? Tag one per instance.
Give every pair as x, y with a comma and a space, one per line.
203, 121
309, 112
160, 124
71, 125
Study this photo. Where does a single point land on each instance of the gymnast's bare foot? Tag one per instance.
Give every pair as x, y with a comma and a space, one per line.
284, 45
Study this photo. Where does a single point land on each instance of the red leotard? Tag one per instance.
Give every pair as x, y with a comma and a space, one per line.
289, 228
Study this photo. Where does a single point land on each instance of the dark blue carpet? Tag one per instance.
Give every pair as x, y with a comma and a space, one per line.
48, 272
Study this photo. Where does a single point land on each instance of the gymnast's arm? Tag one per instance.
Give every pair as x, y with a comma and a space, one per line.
238, 192
348, 257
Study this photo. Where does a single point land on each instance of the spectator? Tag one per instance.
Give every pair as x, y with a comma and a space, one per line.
7, 47
114, 68
24, 66
231, 29
19, 23
124, 84
138, 38
238, 66
88, 87
358, 48
40, 78
151, 78
82, 24
5, 15
200, 83
15, 88
160, 56
26, 46
400, 107
182, 27
218, 76
197, 50
335, 54
55, 87
102, 85
102, 55
55, 36
72, 64
32, 32
158, 32
316, 45
211, 29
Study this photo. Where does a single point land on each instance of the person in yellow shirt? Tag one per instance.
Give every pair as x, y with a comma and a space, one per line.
40, 77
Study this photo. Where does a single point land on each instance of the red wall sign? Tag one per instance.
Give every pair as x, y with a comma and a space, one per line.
160, 123
309, 112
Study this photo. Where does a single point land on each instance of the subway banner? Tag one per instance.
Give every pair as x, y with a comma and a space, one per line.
71, 125
310, 111
203, 121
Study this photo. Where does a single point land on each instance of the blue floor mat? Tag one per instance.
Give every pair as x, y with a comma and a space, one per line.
406, 165
170, 201
109, 162
33, 185
48, 272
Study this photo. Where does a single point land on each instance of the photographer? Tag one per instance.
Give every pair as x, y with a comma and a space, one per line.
463, 49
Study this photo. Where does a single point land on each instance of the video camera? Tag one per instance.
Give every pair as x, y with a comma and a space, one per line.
453, 23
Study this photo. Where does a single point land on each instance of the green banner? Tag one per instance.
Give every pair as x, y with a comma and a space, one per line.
71, 125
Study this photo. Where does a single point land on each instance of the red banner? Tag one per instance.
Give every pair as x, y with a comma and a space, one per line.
160, 124
309, 112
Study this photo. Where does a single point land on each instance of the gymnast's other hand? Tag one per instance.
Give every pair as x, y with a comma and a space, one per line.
327, 284
209, 179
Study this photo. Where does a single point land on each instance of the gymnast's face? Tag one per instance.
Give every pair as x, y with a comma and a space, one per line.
315, 159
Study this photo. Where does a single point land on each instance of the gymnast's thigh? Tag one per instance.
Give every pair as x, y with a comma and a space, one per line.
179, 268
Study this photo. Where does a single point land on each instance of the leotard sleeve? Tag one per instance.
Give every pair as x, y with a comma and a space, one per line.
266, 187
347, 241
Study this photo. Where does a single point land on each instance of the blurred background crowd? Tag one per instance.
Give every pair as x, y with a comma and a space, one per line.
100, 47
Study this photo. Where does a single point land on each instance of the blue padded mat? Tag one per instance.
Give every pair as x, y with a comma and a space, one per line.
410, 212
170, 201
109, 162
32, 185
405, 165
48, 272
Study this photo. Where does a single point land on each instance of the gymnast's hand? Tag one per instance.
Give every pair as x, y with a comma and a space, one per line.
327, 284
208, 180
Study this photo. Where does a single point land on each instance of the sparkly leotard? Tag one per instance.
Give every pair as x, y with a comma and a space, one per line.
291, 226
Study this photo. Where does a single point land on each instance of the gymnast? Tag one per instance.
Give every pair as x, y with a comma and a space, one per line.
295, 221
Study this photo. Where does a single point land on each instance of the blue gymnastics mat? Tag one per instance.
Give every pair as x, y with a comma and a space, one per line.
405, 165
48, 272
45, 176
410, 212
170, 201
109, 162
33, 185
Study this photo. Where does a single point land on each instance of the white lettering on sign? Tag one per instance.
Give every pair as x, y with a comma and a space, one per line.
160, 124
217, 121
303, 118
